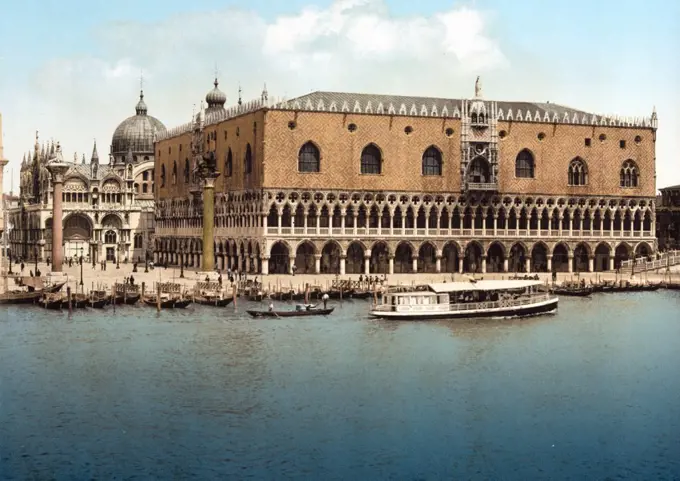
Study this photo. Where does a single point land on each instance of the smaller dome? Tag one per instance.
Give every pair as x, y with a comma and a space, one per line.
216, 98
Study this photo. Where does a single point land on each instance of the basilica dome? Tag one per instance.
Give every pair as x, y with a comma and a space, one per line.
136, 133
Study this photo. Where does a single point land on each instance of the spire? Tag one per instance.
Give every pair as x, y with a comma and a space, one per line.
75, 157
36, 146
265, 94
95, 156
240, 102
83, 161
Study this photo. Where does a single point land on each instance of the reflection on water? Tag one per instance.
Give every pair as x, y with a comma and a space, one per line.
588, 393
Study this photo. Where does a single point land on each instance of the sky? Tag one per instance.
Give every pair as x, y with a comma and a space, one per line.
71, 69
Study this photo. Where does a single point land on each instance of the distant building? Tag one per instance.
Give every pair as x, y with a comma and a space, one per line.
668, 217
4, 203
108, 208
357, 183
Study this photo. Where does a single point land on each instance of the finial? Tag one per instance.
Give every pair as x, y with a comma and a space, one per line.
75, 157
239, 94
478, 88
265, 94
83, 161
141, 81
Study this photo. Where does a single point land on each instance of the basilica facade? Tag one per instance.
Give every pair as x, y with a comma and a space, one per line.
108, 207
356, 183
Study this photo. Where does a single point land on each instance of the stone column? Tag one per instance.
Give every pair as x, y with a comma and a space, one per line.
209, 222
505, 265
591, 264
317, 263
438, 264
342, 265
460, 265
571, 263
391, 265
291, 263
414, 267
527, 265
483, 264
549, 258
611, 263
367, 262
57, 169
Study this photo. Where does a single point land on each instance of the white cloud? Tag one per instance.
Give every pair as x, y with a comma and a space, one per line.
352, 45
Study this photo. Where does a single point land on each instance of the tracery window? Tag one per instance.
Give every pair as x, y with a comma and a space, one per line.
309, 158
578, 172
432, 161
229, 164
248, 161
629, 174
371, 160
138, 241
174, 172
186, 171
110, 237
162, 175
524, 165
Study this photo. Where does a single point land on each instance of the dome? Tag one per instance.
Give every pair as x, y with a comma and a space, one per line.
136, 133
216, 98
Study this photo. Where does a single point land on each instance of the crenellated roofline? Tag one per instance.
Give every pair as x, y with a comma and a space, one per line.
392, 105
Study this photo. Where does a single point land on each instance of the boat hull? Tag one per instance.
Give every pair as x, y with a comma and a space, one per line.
213, 302
312, 312
544, 307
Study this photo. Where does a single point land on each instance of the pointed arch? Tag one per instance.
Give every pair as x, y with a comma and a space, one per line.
371, 159
427, 257
380, 258
174, 172
432, 161
578, 172
309, 158
248, 160
629, 174
539, 257
524, 165
330, 257
229, 164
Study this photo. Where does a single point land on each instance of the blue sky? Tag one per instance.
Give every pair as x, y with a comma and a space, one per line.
71, 68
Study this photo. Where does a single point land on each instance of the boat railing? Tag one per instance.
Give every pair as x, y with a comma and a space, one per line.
467, 306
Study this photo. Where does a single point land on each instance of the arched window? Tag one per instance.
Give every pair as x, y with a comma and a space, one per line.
432, 161
248, 160
162, 175
174, 172
139, 240
186, 171
479, 171
524, 165
309, 158
629, 174
229, 164
371, 160
110, 237
578, 172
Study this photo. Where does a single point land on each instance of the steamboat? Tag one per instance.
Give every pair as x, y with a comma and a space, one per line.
461, 300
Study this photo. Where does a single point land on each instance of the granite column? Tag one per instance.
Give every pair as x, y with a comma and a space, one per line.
209, 222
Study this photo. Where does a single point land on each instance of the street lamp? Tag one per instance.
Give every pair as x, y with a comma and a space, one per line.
81, 268
9, 255
146, 260
181, 262
118, 256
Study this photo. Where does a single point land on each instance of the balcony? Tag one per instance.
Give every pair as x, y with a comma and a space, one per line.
484, 186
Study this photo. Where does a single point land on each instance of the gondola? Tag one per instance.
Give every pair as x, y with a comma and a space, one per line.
129, 300
98, 303
213, 301
51, 302
78, 301
573, 291
167, 303
54, 287
20, 297
301, 313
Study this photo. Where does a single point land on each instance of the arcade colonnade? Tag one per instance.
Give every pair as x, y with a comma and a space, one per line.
376, 233
393, 257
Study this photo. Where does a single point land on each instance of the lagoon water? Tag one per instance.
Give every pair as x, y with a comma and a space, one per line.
590, 393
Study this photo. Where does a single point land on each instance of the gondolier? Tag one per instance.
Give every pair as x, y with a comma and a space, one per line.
324, 298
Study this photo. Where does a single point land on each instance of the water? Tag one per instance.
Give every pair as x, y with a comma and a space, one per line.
589, 393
